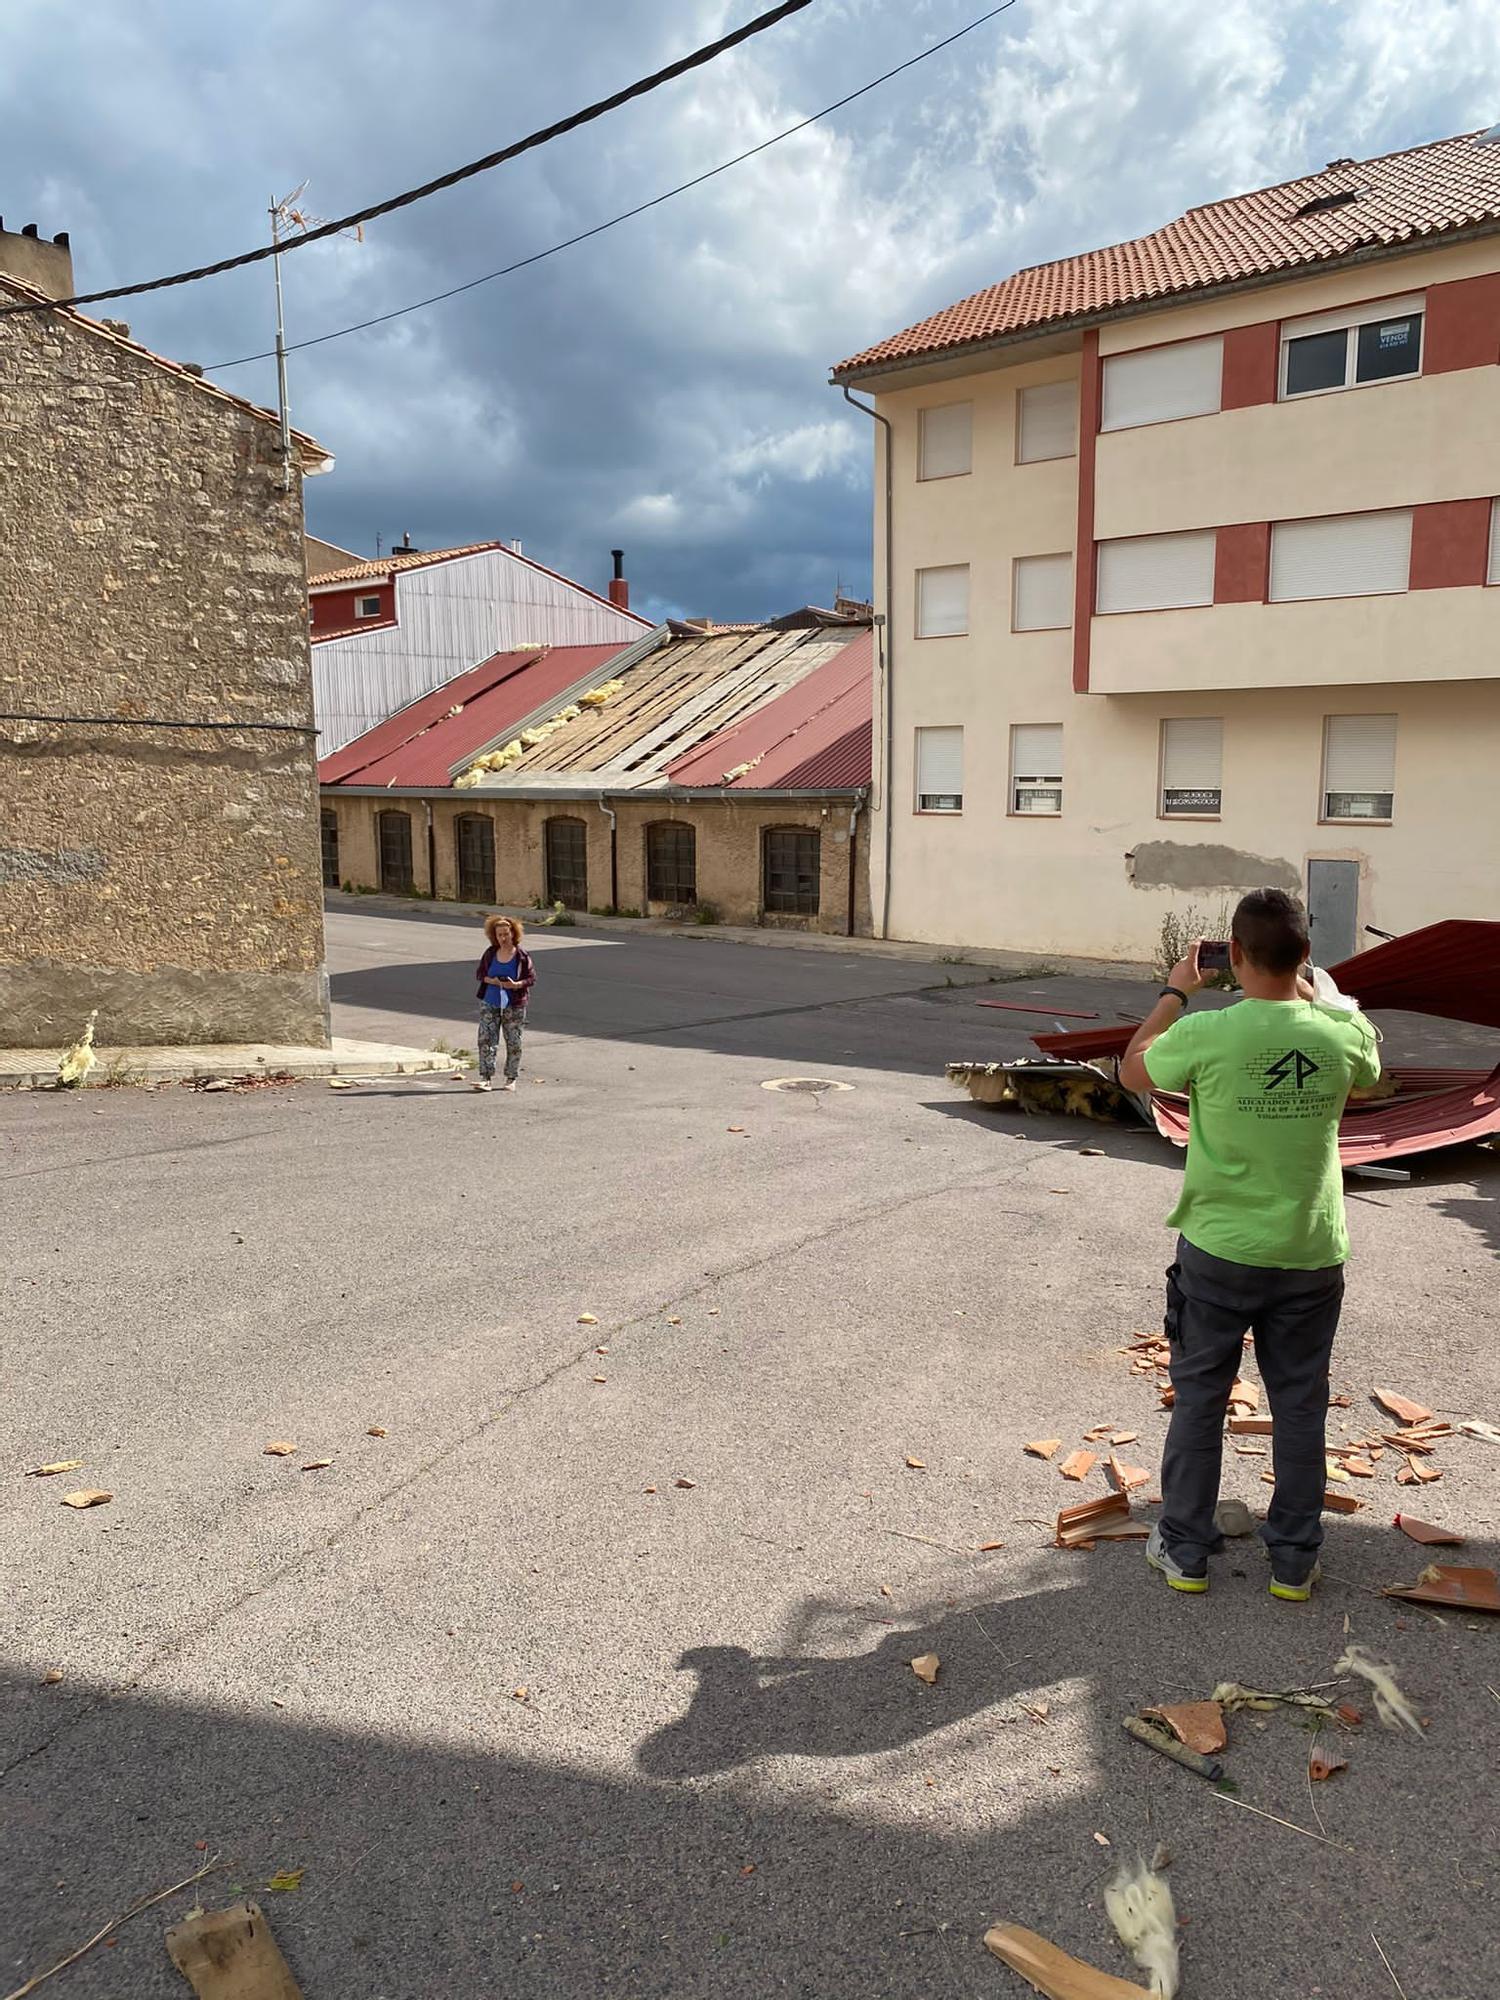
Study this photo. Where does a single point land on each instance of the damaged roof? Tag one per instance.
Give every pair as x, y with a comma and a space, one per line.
813, 738
664, 699
1390, 203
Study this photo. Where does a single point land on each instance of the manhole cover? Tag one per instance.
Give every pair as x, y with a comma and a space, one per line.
805, 1083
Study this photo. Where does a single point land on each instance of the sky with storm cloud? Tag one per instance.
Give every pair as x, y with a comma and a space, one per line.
664, 387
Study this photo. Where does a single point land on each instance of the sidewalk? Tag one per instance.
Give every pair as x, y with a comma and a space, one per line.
1034, 964
36, 1069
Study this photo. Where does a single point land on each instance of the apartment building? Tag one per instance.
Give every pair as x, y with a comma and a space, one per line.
1187, 550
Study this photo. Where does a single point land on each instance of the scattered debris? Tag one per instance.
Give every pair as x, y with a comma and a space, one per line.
278, 1449
1051, 1971
377, 1431
1127, 1477
1451, 1586
1155, 1737
317, 1465
1233, 1695
1425, 1533
1391, 1705
1405, 1412
1276, 1820
588, 1319
50, 1471
231, 1955
1078, 1464
1240, 1426
1140, 1908
1105, 1519
1244, 1398
686, 1484
1038, 1448
1123, 1437
91, 1496
146, 1903
1198, 1724
287, 1878
1103, 1839
1322, 1764
926, 1666
916, 1464
988, 1548
339, 1083
1476, 1428
1349, 1715
1233, 1518
1341, 1503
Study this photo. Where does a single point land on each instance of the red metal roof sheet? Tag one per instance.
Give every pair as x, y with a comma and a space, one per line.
419, 743
1399, 199
815, 737
1392, 1128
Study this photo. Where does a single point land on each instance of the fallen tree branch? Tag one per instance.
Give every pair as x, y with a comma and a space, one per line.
146, 1902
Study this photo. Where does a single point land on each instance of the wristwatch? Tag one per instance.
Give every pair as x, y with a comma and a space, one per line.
1174, 993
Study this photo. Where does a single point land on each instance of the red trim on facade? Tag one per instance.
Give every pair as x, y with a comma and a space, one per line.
1450, 544
1242, 563
1085, 556
333, 610
1463, 324
1252, 355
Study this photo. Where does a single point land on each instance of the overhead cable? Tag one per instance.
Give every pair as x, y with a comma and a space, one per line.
629, 214
696, 60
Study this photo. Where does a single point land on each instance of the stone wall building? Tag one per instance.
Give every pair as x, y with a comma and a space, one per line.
158, 800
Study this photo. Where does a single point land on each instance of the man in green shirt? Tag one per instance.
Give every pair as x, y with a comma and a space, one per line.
1263, 1239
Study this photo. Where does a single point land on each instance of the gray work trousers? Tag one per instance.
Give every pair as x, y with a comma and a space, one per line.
1211, 1305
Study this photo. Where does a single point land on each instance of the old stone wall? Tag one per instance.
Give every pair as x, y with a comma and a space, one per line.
729, 849
153, 574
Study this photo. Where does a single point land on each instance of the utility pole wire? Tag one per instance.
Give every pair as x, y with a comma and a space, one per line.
598, 229
681, 67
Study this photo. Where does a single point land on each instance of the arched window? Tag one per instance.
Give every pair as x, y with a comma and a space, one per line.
474, 839
393, 833
671, 862
791, 858
566, 849
328, 822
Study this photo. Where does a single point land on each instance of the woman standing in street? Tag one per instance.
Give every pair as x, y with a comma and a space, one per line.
506, 976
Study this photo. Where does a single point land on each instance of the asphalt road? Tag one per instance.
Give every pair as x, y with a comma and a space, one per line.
537, 1719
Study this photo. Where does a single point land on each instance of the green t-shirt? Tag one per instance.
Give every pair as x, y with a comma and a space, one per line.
1268, 1081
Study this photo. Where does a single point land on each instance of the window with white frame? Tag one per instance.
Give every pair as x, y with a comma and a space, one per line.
1351, 347
1036, 767
1359, 766
940, 770
1154, 385
1192, 760
945, 441
367, 607
1156, 572
1341, 555
1046, 422
1493, 574
1042, 593
943, 601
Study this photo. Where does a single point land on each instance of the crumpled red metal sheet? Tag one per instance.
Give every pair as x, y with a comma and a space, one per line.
1387, 1128
1451, 969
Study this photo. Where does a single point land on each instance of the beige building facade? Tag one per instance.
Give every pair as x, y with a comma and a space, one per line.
158, 794
1192, 597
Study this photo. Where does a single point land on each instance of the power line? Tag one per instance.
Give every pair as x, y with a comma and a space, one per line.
629, 214
696, 60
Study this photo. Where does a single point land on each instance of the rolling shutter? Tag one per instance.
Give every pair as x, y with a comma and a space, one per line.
1046, 422
1155, 384
947, 441
1156, 572
1036, 767
1359, 766
1192, 764
1044, 593
940, 770
943, 601
1342, 555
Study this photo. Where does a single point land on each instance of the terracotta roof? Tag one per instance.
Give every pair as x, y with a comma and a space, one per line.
815, 737
359, 572
1396, 200
314, 456
419, 743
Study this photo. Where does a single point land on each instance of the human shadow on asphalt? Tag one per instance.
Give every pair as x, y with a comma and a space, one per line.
508, 1851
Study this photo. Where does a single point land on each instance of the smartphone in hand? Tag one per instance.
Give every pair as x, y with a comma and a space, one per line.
1213, 955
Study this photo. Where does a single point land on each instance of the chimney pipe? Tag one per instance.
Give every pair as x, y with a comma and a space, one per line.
619, 589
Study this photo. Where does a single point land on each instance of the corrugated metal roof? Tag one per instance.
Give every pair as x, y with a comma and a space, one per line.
1392, 1128
1394, 201
675, 696
418, 745
814, 737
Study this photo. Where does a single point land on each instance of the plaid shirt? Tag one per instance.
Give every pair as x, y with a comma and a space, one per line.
525, 972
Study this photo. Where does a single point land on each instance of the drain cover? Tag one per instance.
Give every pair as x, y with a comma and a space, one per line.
805, 1083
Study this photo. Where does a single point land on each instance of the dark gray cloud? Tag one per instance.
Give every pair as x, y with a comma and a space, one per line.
663, 387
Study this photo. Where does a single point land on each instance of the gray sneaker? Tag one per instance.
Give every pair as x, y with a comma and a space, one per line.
1181, 1576
1295, 1593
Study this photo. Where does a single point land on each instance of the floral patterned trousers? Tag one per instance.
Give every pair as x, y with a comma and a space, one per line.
493, 1022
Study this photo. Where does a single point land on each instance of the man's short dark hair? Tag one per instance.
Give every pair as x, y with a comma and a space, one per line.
1270, 928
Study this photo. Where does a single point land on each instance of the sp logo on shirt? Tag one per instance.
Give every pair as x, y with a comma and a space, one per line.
1293, 1068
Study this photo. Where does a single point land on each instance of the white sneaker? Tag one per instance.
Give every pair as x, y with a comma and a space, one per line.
506, 1086
484, 1084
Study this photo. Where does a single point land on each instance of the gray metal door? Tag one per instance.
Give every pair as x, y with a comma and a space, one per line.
1333, 910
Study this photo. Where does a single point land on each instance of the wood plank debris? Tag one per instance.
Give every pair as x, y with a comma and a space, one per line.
231, 1955
1052, 1972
